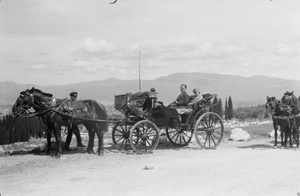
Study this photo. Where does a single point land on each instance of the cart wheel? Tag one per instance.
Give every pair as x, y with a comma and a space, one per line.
144, 137
120, 135
179, 135
209, 130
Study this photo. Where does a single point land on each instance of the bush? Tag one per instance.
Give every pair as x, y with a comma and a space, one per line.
19, 129
257, 112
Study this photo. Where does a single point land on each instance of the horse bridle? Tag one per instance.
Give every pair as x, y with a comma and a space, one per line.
271, 104
26, 105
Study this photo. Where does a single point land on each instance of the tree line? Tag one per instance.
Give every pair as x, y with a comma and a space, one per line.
242, 113
217, 108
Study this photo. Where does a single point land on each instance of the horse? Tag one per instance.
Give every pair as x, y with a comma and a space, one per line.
281, 116
56, 113
294, 103
291, 100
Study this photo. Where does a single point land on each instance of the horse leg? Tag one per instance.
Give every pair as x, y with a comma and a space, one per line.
100, 143
78, 137
296, 134
275, 134
48, 141
57, 135
285, 132
91, 140
290, 135
68, 139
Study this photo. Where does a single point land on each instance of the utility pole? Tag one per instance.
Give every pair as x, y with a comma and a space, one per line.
140, 70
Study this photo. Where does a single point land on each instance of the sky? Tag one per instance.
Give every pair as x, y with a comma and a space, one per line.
68, 41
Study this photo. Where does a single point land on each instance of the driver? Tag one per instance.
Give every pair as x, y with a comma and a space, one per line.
74, 129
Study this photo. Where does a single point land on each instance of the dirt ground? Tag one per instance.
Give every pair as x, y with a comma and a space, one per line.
234, 168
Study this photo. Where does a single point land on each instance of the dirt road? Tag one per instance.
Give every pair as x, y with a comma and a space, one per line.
234, 168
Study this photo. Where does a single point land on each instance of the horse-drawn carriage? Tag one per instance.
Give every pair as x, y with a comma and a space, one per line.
145, 117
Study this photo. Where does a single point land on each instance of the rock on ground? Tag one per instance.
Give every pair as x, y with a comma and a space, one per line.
239, 134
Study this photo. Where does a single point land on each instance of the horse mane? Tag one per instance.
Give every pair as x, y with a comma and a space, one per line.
39, 91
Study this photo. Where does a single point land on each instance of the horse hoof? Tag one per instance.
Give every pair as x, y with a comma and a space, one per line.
90, 151
67, 149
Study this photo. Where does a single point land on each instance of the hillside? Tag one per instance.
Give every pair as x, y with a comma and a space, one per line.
243, 90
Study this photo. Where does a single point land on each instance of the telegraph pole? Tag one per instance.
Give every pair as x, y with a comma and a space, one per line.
140, 70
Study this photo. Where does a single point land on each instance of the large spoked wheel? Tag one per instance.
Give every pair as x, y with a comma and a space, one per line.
179, 135
144, 137
120, 135
209, 130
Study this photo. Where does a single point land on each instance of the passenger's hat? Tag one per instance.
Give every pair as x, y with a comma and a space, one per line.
152, 90
73, 94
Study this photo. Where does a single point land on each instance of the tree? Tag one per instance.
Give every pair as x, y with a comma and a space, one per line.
220, 109
226, 109
230, 108
215, 106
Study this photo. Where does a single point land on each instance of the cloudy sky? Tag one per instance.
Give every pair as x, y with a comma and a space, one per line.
66, 41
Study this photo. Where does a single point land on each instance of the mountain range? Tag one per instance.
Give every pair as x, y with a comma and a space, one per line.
244, 91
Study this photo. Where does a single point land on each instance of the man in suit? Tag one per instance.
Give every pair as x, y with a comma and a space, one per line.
183, 99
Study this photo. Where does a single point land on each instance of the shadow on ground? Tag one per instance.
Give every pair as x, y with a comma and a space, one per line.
257, 146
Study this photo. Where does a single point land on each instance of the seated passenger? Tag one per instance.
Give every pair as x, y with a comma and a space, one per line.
152, 98
141, 101
182, 100
152, 93
197, 97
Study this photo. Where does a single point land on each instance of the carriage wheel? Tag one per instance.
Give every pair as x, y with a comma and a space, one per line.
144, 137
120, 135
179, 135
209, 130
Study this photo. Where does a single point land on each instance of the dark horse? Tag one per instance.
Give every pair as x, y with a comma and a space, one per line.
292, 101
281, 116
56, 113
